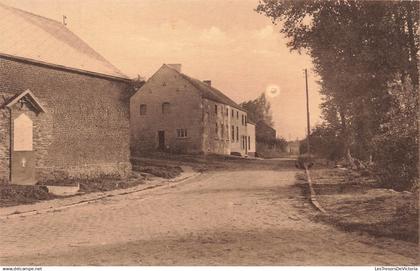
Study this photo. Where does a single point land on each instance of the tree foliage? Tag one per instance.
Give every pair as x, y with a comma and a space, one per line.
396, 143
279, 144
325, 142
362, 50
259, 109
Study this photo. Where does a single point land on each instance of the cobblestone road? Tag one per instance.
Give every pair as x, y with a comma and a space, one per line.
222, 218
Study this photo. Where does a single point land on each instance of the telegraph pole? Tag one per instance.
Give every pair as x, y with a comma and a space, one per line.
307, 114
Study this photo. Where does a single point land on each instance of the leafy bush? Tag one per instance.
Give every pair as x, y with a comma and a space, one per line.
396, 147
273, 143
325, 143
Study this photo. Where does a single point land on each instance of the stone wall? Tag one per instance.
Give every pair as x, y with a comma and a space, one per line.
216, 133
226, 117
85, 131
4, 138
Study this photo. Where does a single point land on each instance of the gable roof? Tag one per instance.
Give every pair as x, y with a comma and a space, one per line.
207, 91
31, 37
30, 97
265, 124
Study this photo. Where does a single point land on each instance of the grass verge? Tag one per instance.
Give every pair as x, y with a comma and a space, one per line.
357, 203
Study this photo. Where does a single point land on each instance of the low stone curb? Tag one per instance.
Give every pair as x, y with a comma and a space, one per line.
92, 199
314, 201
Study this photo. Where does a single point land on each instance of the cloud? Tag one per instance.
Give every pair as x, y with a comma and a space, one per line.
264, 33
214, 35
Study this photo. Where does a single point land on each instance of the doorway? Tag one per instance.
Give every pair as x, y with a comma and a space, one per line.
245, 145
161, 140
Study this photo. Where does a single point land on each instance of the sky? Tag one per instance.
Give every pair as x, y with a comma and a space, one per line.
227, 42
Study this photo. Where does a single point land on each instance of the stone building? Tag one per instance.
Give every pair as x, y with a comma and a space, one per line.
64, 109
176, 113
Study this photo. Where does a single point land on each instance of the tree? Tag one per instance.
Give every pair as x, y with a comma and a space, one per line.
259, 109
397, 143
358, 48
325, 143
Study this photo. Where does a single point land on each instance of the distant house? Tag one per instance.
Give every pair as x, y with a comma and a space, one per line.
265, 131
293, 147
266, 140
176, 113
64, 109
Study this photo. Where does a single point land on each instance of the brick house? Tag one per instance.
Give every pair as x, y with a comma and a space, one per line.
64, 109
180, 114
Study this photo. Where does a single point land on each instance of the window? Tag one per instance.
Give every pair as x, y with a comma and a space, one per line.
215, 109
242, 119
217, 130
223, 130
249, 142
227, 132
143, 109
227, 112
246, 121
166, 108
237, 114
237, 133
232, 112
181, 133
233, 133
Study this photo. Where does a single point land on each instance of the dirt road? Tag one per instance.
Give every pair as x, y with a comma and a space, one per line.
222, 218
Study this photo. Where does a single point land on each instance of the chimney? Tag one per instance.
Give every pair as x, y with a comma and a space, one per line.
176, 67
208, 82
64, 19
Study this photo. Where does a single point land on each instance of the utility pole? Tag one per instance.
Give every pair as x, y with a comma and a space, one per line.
307, 114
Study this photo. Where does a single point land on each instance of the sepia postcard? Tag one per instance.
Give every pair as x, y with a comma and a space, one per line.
197, 133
